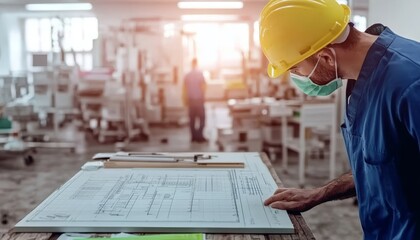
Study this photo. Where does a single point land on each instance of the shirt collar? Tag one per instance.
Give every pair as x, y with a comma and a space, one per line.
373, 57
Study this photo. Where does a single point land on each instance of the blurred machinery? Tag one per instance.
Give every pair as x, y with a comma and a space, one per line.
243, 131
282, 123
11, 143
111, 108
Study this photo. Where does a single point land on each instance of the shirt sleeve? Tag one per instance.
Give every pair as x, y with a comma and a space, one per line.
409, 110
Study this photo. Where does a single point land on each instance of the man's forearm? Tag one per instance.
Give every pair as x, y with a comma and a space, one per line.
341, 188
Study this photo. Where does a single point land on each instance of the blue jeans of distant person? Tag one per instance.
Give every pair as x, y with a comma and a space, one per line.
197, 114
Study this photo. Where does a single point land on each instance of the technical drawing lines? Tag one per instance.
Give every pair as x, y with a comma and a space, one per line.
153, 196
160, 199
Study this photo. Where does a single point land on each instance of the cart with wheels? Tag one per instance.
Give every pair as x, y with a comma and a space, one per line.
27, 158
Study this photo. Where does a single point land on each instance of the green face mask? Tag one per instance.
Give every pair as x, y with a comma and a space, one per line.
310, 88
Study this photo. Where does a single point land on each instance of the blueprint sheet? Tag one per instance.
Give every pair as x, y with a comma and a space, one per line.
163, 200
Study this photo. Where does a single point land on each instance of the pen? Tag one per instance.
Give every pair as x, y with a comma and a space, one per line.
154, 155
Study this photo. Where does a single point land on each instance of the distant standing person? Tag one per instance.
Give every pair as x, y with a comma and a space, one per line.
193, 92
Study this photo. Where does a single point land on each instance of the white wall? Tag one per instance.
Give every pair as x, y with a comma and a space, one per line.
402, 16
16, 43
12, 56
4, 47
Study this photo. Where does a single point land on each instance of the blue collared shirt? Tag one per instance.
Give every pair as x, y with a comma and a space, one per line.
382, 137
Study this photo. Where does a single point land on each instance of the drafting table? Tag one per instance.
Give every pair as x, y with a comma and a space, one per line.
301, 229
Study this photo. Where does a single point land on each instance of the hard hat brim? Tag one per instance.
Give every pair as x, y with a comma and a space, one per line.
274, 71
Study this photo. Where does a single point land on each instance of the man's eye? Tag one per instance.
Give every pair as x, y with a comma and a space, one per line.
294, 71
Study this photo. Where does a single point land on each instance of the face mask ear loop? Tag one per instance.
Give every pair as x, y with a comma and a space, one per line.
335, 63
313, 70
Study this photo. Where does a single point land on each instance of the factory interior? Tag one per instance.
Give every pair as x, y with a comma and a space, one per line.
99, 76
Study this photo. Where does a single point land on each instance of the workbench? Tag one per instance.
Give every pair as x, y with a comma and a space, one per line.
302, 231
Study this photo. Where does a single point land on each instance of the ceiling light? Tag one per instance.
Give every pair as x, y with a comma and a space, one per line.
211, 5
59, 7
209, 17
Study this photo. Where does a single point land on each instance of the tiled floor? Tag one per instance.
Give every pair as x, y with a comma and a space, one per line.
24, 187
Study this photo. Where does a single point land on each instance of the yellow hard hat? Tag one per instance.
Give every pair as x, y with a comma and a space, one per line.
293, 30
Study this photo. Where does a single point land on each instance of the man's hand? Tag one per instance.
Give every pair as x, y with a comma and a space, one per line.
300, 200
293, 199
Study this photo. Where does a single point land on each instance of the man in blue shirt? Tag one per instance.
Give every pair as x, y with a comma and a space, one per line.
382, 122
193, 94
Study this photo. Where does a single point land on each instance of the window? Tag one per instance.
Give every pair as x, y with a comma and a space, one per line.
76, 34
360, 22
219, 44
256, 36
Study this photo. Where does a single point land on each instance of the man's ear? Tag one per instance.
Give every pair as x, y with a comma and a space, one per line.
327, 56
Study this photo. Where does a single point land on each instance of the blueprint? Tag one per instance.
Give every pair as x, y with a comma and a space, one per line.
163, 200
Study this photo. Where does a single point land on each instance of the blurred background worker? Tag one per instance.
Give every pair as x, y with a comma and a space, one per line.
315, 41
193, 91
